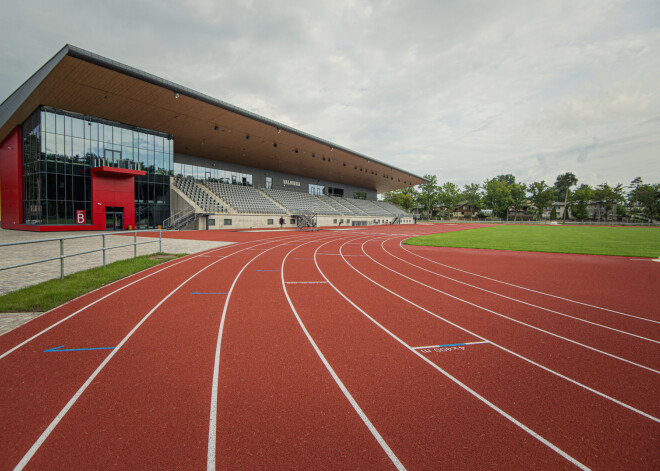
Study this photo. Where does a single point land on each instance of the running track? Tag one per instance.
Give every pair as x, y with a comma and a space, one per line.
343, 350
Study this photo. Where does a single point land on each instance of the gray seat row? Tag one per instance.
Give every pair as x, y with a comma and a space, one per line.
244, 199
199, 195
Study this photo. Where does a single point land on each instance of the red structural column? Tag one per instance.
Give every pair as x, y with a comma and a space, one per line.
11, 197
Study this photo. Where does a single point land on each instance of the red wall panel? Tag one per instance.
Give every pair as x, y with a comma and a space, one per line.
11, 183
113, 187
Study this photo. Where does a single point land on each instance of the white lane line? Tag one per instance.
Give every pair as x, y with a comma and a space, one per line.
579, 319
519, 321
456, 380
516, 320
527, 289
186, 259
37, 444
545, 368
450, 345
213, 414
374, 432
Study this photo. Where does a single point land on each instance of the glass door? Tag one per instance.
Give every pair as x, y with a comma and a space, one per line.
114, 218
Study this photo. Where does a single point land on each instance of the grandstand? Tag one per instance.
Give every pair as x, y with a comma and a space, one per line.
252, 207
199, 195
300, 203
244, 199
146, 151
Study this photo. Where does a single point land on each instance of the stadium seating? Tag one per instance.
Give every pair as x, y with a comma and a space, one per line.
391, 208
199, 195
339, 205
244, 199
301, 203
215, 197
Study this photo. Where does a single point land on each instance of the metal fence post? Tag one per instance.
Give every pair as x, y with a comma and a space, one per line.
134, 244
103, 249
160, 240
61, 259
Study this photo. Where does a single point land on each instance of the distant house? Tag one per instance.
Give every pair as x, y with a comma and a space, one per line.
527, 211
597, 210
465, 210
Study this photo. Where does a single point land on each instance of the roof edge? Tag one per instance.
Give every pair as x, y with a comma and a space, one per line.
101, 61
13, 102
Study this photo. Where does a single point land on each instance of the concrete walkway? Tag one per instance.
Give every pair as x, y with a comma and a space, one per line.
16, 278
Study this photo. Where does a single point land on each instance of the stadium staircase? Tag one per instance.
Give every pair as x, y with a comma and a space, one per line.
182, 219
306, 221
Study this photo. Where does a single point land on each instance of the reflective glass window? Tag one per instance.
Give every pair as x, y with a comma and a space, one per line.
126, 138
116, 136
107, 134
50, 122
59, 124
78, 127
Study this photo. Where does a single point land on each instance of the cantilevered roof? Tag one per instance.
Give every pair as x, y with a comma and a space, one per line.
83, 82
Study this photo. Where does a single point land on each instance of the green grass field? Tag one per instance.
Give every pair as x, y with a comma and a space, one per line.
624, 241
52, 293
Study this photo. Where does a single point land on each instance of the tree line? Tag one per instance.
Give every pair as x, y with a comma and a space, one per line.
503, 195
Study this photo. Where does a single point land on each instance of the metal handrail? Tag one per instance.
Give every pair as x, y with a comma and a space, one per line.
62, 255
173, 219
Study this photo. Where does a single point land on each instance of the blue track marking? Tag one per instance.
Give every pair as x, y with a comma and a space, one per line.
451, 345
62, 349
197, 292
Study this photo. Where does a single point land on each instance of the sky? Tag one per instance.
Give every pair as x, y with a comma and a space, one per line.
465, 90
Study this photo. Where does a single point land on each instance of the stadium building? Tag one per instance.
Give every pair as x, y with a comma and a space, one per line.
88, 143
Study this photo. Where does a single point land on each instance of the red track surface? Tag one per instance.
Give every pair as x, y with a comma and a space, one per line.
314, 338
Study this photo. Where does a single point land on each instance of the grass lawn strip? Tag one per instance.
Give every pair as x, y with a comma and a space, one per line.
50, 294
622, 241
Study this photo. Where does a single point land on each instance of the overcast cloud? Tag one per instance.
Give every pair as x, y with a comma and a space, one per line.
464, 90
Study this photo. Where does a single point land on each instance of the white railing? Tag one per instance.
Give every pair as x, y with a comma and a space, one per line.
103, 249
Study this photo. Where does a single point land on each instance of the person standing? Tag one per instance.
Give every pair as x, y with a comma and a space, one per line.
281, 222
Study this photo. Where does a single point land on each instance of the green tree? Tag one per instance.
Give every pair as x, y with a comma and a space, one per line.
450, 196
606, 197
405, 198
541, 196
471, 194
497, 194
580, 198
563, 184
634, 189
518, 197
428, 194
649, 198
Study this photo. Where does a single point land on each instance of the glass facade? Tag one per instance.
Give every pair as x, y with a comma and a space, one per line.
59, 150
210, 173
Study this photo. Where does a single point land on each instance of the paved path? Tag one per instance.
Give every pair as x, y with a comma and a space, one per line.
16, 278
